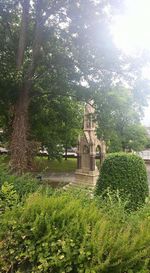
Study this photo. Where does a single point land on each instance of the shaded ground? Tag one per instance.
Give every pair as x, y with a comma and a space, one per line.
57, 173
60, 179
54, 184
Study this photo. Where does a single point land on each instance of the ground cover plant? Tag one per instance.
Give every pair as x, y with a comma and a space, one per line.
70, 232
126, 173
44, 230
23, 185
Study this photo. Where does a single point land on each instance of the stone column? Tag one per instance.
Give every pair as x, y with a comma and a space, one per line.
92, 163
78, 161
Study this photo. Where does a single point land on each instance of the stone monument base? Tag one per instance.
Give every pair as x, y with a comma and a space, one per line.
86, 179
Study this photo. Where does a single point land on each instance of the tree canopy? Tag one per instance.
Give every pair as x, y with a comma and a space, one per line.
54, 54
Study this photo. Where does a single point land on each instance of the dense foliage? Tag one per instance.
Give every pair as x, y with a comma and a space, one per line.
56, 123
52, 51
68, 232
118, 116
126, 173
22, 185
49, 49
45, 230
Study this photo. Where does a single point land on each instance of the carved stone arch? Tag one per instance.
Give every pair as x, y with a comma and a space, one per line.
85, 149
101, 148
99, 154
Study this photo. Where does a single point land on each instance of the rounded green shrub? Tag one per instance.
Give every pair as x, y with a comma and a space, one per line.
126, 173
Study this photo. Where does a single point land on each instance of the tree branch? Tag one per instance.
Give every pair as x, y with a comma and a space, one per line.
23, 33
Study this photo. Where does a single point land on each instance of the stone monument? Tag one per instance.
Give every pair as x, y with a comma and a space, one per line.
89, 146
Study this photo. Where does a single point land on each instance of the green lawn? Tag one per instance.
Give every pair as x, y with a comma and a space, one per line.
42, 164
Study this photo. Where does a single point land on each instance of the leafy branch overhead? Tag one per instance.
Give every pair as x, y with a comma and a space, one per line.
51, 50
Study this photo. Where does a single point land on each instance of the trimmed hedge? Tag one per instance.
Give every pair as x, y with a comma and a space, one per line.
126, 173
71, 233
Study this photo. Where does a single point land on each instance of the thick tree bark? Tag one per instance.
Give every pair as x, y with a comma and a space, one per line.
19, 141
19, 144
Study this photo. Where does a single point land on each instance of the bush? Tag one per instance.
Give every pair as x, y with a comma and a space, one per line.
71, 233
126, 173
23, 185
8, 197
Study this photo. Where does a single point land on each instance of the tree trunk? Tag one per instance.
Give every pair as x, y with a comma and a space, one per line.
19, 141
19, 144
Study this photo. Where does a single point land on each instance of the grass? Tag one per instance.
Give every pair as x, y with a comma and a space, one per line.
42, 164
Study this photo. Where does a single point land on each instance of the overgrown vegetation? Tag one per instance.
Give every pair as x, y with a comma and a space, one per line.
69, 232
45, 230
23, 185
126, 173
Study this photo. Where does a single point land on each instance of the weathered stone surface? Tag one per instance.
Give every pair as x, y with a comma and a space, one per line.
86, 179
88, 145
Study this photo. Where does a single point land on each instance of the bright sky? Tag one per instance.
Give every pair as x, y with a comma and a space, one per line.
132, 30
132, 33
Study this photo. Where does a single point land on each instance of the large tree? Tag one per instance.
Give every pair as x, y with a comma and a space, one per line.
49, 47
52, 48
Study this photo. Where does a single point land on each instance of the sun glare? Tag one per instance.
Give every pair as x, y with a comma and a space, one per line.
132, 30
